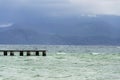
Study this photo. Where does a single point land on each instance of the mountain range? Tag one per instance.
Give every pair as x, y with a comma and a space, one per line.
68, 30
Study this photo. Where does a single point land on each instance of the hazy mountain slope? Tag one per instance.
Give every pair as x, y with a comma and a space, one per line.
63, 30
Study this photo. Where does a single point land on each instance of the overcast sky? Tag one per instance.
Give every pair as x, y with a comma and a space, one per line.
60, 15
64, 7
13, 10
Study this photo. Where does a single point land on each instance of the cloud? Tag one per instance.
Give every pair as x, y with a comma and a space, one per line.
100, 7
6, 25
62, 7
47, 7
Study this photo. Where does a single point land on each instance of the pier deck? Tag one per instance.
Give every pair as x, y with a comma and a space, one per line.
22, 52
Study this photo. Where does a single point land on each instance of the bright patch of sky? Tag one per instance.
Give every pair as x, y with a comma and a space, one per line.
99, 7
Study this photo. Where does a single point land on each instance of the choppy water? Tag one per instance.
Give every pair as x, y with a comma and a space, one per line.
60, 65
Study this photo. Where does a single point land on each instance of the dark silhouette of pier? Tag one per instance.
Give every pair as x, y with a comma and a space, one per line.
22, 52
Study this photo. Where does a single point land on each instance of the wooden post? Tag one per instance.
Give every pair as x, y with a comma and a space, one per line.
44, 53
5, 53
11, 53
37, 53
21, 53
28, 53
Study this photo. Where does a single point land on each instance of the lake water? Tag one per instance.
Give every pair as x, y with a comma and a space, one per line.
63, 62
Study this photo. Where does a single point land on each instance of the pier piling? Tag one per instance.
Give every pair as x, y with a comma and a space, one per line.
5, 53
11, 53
28, 53
37, 53
44, 53
21, 52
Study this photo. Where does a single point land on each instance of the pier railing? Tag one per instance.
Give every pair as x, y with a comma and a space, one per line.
22, 52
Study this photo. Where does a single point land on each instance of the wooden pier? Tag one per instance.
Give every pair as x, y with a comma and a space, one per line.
22, 52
